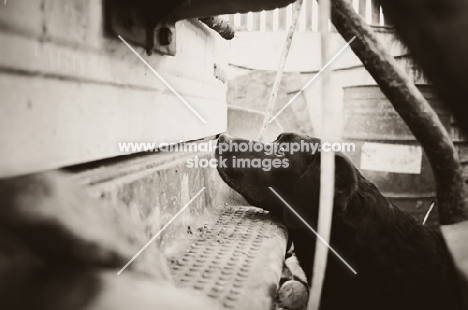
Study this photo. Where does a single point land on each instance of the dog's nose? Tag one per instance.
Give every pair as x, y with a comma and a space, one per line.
224, 137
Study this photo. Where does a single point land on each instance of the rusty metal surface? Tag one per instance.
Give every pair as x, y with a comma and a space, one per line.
237, 261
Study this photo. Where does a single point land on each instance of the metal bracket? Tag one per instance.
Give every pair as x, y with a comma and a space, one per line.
131, 23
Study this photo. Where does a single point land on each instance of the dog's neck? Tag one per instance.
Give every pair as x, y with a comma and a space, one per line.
376, 223
367, 204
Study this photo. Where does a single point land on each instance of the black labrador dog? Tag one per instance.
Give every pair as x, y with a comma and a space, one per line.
400, 263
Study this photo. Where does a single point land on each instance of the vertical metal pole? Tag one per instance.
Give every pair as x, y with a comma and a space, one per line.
329, 129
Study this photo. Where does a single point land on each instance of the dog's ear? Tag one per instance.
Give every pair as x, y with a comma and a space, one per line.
304, 195
306, 191
346, 181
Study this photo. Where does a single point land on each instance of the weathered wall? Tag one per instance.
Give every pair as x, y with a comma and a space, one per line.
71, 91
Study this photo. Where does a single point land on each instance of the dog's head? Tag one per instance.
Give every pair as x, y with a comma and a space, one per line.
292, 173
251, 181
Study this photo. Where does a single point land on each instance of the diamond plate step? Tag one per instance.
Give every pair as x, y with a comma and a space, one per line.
237, 261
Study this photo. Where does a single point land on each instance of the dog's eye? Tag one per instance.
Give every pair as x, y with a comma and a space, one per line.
280, 151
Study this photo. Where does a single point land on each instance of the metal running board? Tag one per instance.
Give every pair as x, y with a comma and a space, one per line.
238, 261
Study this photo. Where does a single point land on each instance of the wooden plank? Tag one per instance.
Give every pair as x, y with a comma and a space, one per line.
362, 8
13, 17
49, 123
375, 13
262, 20
121, 66
302, 24
315, 16
231, 20
282, 19
256, 21
67, 20
309, 14
243, 22
269, 21
68, 96
387, 21
78, 23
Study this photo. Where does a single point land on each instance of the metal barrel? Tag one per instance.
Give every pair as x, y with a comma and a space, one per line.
371, 122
